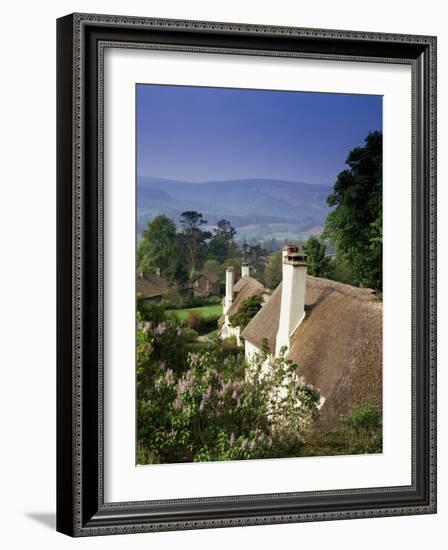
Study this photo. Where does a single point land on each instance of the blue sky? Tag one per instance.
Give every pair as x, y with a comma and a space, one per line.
202, 134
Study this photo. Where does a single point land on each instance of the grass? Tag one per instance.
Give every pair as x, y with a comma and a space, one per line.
214, 310
213, 333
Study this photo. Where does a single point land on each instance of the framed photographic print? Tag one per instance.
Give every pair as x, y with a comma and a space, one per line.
246, 274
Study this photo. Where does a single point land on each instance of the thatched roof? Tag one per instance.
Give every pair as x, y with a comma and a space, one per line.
338, 346
265, 322
243, 289
212, 277
151, 285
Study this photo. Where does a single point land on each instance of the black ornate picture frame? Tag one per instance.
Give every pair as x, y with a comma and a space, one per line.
81, 509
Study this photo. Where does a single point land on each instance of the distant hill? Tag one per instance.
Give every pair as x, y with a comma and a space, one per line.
258, 208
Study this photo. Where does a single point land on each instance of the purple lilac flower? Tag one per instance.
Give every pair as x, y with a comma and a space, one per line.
232, 439
177, 404
144, 325
160, 329
205, 398
186, 384
169, 377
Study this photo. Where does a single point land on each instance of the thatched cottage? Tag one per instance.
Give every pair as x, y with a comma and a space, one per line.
246, 287
151, 286
332, 331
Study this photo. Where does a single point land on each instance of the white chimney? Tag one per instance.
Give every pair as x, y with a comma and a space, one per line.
229, 288
292, 307
245, 270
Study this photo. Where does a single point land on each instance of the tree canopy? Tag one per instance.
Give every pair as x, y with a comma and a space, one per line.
193, 238
220, 243
318, 263
158, 247
273, 270
355, 224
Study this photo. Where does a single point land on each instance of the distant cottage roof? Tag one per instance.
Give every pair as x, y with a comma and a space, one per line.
212, 277
151, 285
338, 346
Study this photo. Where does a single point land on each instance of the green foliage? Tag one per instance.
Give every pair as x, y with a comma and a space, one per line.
213, 266
273, 270
190, 334
257, 257
180, 256
366, 418
201, 323
342, 270
159, 249
168, 339
355, 225
194, 319
219, 245
360, 432
202, 320
218, 248
193, 239
248, 309
318, 264
230, 343
153, 312
158, 246
225, 230
213, 411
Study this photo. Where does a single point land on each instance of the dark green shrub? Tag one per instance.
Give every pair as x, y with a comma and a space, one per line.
248, 309
194, 320
200, 323
359, 432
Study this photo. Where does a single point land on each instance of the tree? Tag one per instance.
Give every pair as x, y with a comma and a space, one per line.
257, 257
248, 309
273, 270
191, 220
355, 224
220, 243
225, 230
193, 238
218, 249
318, 264
213, 266
158, 247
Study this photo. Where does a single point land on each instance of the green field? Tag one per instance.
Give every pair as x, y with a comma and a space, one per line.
214, 310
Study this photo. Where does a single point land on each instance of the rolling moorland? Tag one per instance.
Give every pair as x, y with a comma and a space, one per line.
259, 209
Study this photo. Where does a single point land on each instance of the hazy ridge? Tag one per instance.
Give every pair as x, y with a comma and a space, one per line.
258, 208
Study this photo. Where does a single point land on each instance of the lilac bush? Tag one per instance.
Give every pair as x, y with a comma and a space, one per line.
217, 407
